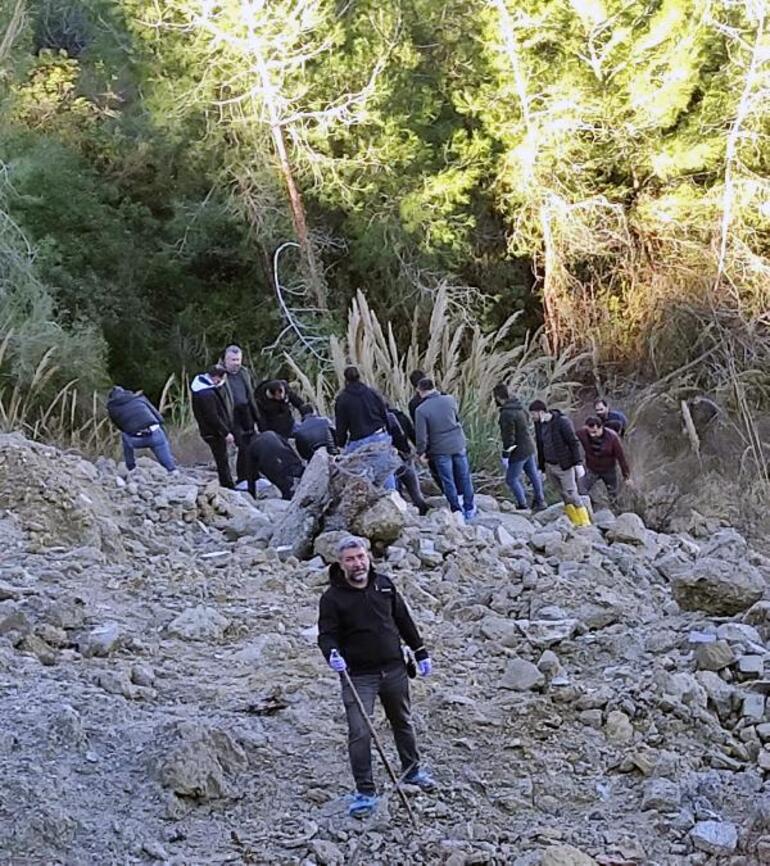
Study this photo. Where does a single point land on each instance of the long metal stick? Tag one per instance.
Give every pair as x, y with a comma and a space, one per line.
391, 773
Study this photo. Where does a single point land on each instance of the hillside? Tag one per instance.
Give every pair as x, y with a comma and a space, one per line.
599, 695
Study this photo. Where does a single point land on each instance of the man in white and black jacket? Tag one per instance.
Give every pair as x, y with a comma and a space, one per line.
362, 621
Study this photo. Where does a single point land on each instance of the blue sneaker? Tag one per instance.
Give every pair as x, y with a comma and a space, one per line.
422, 779
362, 806
469, 515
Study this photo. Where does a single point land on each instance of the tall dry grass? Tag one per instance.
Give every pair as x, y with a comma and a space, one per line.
67, 417
462, 359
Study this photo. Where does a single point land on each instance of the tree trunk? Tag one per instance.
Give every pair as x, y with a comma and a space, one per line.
270, 97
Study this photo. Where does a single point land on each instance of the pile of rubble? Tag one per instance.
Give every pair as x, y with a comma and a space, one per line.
599, 696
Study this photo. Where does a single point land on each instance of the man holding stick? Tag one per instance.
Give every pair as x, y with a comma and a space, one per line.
362, 621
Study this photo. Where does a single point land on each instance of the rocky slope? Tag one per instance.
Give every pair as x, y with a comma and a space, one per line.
599, 695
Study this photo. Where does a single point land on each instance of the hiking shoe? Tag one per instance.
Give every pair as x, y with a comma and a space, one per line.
362, 806
422, 779
469, 515
538, 506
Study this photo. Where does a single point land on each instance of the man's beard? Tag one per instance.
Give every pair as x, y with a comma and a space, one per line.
358, 576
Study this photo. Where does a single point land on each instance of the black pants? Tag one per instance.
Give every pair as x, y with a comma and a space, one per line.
392, 686
610, 479
219, 450
407, 479
243, 440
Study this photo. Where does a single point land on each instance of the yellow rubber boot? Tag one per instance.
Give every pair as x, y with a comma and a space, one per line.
582, 516
571, 512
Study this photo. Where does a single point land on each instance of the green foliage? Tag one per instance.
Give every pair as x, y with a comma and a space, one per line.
605, 157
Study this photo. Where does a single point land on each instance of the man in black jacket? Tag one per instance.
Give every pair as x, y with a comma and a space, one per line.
560, 457
140, 425
272, 456
214, 422
313, 432
239, 397
361, 417
518, 448
275, 400
361, 623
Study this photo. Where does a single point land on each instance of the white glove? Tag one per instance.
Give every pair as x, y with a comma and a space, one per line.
504, 463
580, 470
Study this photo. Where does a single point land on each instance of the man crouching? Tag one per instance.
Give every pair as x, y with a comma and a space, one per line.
362, 620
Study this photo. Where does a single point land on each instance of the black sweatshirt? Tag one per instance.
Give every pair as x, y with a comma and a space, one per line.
359, 411
366, 626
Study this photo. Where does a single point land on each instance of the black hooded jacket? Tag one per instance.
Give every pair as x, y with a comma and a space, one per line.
557, 442
210, 408
366, 626
131, 412
272, 414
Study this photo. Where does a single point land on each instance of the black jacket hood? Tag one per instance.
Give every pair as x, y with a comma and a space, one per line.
120, 395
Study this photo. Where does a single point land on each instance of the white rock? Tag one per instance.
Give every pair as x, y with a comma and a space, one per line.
715, 837
100, 641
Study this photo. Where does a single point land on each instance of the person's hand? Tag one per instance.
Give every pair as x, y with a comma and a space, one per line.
425, 667
504, 463
230, 439
580, 470
423, 458
336, 662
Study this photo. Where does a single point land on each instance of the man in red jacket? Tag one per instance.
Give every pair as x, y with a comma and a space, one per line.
603, 454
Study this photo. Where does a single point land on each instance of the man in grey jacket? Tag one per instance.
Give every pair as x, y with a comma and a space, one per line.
440, 436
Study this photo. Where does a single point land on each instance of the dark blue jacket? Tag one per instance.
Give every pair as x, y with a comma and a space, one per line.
131, 412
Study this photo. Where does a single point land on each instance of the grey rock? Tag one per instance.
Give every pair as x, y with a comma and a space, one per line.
299, 525
544, 538
521, 675
720, 693
142, 675
327, 853
548, 663
544, 633
199, 623
751, 666
714, 656
45, 654
325, 545
618, 728
629, 528
715, 837
566, 855
661, 795
753, 707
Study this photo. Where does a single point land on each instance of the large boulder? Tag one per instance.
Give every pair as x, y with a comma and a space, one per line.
201, 762
383, 521
718, 587
629, 528
301, 521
